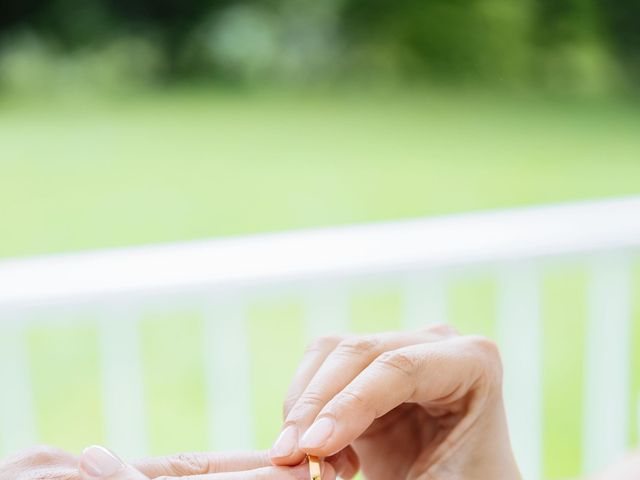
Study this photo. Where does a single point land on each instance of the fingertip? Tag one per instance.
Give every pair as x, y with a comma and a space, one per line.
318, 434
346, 463
284, 451
287, 461
328, 472
329, 446
99, 462
354, 460
339, 450
318, 449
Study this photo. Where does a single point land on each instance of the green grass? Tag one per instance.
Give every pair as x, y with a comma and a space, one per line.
173, 352
635, 368
89, 174
66, 382
564, 311
86, 173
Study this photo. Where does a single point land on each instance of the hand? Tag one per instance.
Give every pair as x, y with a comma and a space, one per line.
418, 405
98, 463
40, 463
43, 462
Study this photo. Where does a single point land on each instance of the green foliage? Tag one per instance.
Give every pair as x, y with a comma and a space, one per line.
583, 45
443, 39
621, 22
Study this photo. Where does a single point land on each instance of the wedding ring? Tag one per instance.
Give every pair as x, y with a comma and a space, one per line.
314, 467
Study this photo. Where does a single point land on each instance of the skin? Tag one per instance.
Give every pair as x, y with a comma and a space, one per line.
425, 405
47, 463
406, 405
416, 406
40, 463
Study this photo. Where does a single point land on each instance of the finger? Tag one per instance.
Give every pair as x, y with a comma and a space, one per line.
40, 462
199, 463
341, 366
321, 348
434, 374
299, 472
314, 356
346, 463
318, 351
98, 463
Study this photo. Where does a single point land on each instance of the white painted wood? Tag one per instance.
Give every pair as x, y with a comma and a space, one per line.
228, 377
125, 413
327, 311
425, 301
92, 280
520, 339
607, 389
638, 422
333, 252
17, 412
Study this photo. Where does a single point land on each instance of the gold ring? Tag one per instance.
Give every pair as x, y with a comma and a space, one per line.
314, 467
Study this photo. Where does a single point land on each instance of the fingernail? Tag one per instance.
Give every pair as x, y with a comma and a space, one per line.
286, 443
318, 434
100, 462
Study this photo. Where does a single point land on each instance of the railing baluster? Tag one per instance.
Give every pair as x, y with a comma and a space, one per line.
17, 409
520, 338
125, 415
327, 311
228, 377
425, 301
607, 389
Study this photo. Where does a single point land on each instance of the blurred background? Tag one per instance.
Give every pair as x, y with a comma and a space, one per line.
139, 121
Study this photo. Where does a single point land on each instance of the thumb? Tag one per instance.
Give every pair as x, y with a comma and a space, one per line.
98, 463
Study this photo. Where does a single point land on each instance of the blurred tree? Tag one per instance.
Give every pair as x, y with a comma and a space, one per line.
67, 23
558, 43
622, 22
170, 22
570, 52
72, 24
17, 11
444, 39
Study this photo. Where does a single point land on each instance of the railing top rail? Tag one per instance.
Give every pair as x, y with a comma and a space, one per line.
423, 243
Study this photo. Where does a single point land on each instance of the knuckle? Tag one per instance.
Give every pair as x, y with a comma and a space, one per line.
308, 401
184, 464
323, 344
398, 361
351, 400
358, 346
42, 455
442, 329
288, 405
489, 353
486, 347
53, 475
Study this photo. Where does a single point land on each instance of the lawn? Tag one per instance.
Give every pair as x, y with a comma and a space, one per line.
81, 173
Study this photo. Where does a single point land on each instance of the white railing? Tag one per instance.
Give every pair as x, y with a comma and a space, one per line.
322, 266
